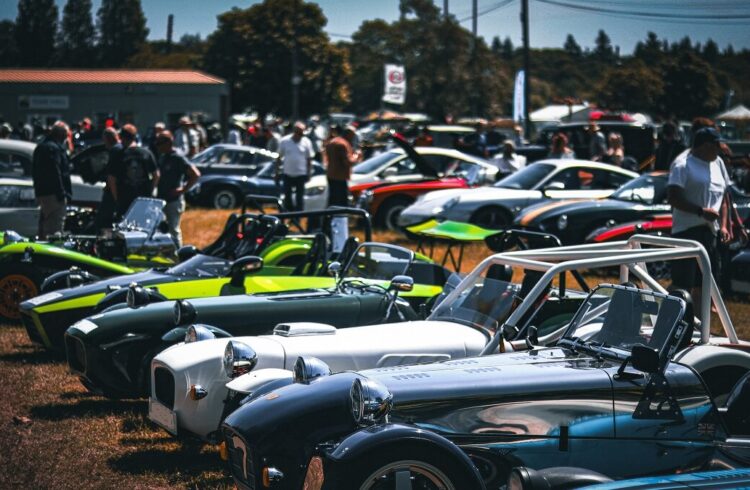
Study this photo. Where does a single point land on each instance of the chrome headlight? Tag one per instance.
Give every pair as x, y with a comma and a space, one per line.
136, 296
196, 333
365, 198
445, 206
238, 359
183, 312
10, 236
562, 222
315, 190
371, 401
307, 369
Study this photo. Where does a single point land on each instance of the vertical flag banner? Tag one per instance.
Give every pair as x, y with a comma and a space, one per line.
395, 84
518, 108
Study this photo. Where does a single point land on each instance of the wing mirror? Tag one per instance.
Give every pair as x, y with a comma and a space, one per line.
402, 284
644, 358
242, 267
186, 252
334, 269
555, 185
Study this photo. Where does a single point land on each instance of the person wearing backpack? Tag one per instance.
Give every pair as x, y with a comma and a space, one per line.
134, 172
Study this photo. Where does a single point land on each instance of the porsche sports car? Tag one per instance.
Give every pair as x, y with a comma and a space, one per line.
134, 243
622, 380
218, 269
112, 352
574, 221
495, 206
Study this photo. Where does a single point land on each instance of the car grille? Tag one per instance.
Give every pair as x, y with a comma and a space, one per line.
76, 353
240, 462
164, 387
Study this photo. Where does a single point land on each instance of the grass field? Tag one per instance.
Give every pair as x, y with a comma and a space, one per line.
53, 434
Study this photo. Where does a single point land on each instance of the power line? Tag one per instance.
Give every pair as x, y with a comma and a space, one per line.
648, 15
488, 10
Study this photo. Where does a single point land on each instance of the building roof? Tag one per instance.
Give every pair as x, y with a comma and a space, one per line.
108, 76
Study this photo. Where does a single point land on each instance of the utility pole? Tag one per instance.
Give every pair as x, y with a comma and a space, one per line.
474, 19
170, 23
526, 73
296, 79
445, 9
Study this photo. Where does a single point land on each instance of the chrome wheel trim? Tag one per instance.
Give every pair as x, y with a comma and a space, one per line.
225, 199
402, 473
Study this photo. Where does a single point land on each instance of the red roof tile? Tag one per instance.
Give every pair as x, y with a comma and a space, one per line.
107, 76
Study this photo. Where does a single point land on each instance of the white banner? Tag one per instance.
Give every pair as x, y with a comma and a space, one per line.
518, 107
395, 84
43, 102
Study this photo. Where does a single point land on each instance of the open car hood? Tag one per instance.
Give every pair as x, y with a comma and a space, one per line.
424, 168
91, 163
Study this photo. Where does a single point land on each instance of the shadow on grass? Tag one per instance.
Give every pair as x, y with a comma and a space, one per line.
187, 461
33, 355
88, 408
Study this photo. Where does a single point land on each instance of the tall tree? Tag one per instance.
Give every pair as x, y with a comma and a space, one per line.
508, 48
8, 48
572, 47
650, 51
122, 30
603, 50
690, 88
75, 44
633, 87
36, 25
711, 51
256, 48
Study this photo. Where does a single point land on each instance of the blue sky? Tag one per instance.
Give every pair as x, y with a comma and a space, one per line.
549, 24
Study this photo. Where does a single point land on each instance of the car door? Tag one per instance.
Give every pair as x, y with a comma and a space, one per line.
582, 183
14, 165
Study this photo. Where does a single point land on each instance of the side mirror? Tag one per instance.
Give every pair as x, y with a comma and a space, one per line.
186, 252
402, 284
334, 269
645, 359
243, 266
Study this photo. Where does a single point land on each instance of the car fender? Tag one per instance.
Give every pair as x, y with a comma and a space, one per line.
59, 257
254, 380
379, 437
118, 296
67, 279
705, 357
278, 252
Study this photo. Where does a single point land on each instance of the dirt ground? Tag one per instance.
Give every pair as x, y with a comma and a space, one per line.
53, 434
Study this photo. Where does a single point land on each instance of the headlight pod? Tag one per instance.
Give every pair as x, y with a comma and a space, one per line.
307, 369
183, 312
239, 359
371, 401
136, 296
562, 222
522, 478
197, 333
10, 236
315, 190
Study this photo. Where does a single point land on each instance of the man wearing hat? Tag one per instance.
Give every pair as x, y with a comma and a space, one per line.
236, 130
696, 188
177, 176
133, 173
186, 139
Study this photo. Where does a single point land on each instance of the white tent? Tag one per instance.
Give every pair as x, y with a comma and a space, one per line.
737, 113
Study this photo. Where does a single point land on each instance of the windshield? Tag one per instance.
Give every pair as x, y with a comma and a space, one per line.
378, 262
267, 171
201, 266
375, 162
207, 155
526, 178
485, 303
648, 189
143, 214
615, 318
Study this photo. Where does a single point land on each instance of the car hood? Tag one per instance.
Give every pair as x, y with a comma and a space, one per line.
546, 210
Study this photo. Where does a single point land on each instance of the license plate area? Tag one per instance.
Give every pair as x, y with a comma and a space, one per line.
162, 416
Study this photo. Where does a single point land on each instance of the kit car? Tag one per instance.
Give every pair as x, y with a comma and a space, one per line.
627, 378
289, 262
112, 351
495, 206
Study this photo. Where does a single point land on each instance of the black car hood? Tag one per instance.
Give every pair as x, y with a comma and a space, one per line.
424, 168
544, 211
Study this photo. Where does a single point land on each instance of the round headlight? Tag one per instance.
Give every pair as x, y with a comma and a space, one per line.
307, 369
10, 236
370, 400
562, 222
196, 333
183, 312
238, 359
522, 478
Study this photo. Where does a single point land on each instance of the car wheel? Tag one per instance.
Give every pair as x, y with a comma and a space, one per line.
398, 469
225, 198
391, 210
492, 218
18, 282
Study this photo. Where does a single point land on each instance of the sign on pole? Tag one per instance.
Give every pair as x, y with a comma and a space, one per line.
518, 105
395, 84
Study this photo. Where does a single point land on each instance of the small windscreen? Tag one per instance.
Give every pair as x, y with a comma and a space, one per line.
378, 262
144, 214
201, 266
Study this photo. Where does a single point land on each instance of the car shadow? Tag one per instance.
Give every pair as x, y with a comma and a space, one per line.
88, 408
188, 461
32, 355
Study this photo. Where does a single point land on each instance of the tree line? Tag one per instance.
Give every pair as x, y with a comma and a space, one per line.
260, 49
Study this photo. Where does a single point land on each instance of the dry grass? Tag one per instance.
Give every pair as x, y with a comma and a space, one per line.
54, 434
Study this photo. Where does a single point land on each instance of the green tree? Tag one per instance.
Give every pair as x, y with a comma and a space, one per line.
508, 49
603, 50
8, 48
572, 47
75, 43
122, 30
711, 51
690, 88
36, 25
632, 87
650, 51
254, 50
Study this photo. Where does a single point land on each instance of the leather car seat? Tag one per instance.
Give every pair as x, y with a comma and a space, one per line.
315, 258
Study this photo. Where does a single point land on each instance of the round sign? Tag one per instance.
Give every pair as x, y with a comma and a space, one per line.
396, 77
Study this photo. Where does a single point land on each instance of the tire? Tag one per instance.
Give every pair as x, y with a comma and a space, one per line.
491, 218
225, 198
18, 282
427, 470
391, 210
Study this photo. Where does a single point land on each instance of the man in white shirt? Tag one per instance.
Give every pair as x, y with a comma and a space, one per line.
696, 187
295, 156
508, 161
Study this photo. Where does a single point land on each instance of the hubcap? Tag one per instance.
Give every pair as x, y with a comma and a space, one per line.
408, 475
224, 200
14, 289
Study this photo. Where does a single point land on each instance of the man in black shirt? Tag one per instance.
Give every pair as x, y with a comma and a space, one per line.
132, 173
106, 211
50, 170
669, 147
177, 176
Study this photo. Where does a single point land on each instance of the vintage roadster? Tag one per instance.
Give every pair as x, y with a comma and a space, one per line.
112, 351
290, 261
624, 379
